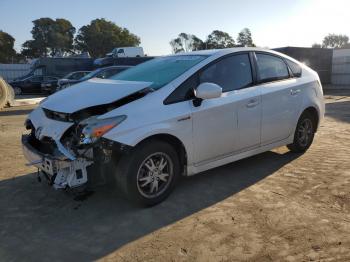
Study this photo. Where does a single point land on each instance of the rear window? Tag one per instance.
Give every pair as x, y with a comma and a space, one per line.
295, 68
271, 68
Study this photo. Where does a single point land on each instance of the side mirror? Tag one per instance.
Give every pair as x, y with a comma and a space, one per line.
208, 91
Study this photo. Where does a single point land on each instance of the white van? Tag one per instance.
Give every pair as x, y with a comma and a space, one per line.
126, 52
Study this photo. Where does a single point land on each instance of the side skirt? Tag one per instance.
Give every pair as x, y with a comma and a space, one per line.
192, 169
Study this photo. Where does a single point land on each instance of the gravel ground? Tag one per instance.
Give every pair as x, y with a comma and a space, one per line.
276, 206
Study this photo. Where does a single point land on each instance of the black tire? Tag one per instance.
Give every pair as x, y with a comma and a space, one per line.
4, 92
10, 96
131, 166
303, 139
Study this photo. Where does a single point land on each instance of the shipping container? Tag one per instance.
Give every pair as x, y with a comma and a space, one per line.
341, 67
12, 71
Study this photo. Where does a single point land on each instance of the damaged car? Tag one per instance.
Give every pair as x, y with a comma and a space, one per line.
175, 115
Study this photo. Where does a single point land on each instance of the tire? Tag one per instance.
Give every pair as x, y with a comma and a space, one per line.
304, 133
10, 96
4, 92
138, 183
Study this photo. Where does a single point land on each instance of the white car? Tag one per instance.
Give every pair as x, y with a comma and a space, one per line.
174, 115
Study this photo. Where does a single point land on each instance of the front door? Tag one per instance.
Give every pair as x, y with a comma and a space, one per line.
230, 123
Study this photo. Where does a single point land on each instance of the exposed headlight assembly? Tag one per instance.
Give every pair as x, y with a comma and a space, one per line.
93, 128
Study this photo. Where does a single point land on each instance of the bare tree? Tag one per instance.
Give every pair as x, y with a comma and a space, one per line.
335, 41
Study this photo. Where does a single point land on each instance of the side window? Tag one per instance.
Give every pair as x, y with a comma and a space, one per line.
231, 73
271, 68
112, 72
36, 79
295, 68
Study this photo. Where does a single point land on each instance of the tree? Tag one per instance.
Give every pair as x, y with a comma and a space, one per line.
316, 45
245, 38
186, 43
197, 43
101, 36
335, 41
219, 39
61, 37
7, 52
176, 45
50, 37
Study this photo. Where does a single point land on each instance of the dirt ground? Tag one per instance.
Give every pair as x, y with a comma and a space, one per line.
276, 206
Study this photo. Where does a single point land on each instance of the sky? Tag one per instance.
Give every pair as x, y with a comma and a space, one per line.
273, 23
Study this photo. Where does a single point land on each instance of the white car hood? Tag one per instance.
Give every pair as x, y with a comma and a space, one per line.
91, 93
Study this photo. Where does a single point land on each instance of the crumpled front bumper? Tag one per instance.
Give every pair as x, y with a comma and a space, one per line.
61, 171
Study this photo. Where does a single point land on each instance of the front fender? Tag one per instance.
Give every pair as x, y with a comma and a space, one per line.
181, 130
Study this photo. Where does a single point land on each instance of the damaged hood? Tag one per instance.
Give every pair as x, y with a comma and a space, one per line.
91, 93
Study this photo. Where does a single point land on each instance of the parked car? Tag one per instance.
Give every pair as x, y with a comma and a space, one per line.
76, 75
49, 85
73, 76
33, 84
104, 72
126, 52
173, 115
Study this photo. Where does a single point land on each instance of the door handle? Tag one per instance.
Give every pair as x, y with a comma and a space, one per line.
252, 103
294, 92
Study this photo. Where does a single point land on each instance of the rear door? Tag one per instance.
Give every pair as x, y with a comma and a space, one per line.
280, 95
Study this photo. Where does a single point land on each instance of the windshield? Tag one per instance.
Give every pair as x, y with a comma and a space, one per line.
160, 71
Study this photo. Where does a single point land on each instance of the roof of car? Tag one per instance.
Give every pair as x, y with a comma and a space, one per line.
118, 66
224, 51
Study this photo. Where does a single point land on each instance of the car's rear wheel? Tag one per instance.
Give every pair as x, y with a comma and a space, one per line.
149, 173
304, 133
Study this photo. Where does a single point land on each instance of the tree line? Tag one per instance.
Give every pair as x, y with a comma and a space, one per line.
216, 40
59, 37
333, 41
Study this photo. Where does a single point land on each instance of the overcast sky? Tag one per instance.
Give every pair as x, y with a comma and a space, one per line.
156, 22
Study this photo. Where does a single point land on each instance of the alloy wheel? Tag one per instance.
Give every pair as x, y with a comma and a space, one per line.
155, 174
305, 131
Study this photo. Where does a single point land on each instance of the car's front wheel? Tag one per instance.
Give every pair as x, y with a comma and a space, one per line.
304, 133
149, 173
